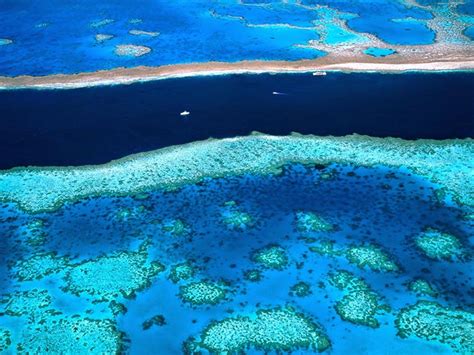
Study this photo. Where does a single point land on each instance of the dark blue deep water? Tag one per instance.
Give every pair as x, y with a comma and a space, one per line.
95, 125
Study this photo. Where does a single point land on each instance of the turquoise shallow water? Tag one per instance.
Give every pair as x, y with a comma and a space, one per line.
58, 37
217, 227
379, 52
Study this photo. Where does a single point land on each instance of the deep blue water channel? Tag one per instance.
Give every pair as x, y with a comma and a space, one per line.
95, 125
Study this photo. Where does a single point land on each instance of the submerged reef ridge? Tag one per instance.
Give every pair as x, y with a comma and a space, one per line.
36, 189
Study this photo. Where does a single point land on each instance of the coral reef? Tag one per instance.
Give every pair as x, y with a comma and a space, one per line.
108, 277
44, 189
131, 50
5, 41
202, 292
176, 227
326, 248
135, 21
158, 320
42, 25
5, 339
422, 288
101, 23
39, 266
117, 308
278, 329
271, 257
70, 335
371, 256
102, 37
433, 322
253, 275
34, 232
301, 289
311, 222
439, 246
234, 218
27, 303
126, 213
183, 271
144, 33
360, 304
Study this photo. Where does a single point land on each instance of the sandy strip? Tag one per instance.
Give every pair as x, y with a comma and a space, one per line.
391, 64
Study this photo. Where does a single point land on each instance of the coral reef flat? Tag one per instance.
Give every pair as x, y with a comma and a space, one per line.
38, 189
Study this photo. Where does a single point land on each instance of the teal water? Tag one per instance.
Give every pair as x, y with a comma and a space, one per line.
470, 32
379, 52
216, 227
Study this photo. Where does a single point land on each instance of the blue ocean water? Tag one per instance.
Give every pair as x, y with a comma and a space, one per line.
59, 37
377, 205
96, 125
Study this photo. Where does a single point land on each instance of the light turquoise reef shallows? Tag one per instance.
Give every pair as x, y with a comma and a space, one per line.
338, 245
447, 163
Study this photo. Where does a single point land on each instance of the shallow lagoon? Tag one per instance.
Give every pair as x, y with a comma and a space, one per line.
377, 206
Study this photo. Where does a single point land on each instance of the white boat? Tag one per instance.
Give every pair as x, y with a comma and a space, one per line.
184, 113
278, 93
319, 73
